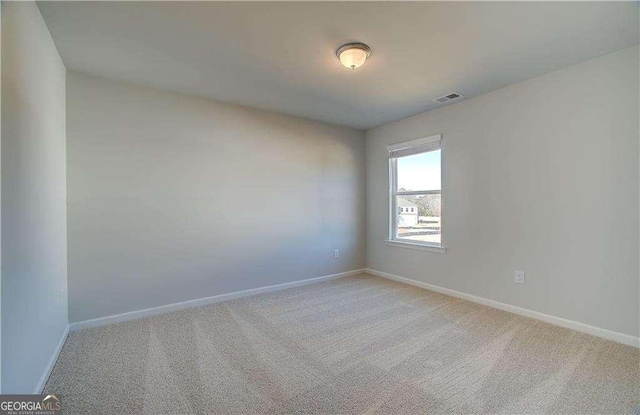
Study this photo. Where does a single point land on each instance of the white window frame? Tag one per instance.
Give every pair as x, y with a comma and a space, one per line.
399, 150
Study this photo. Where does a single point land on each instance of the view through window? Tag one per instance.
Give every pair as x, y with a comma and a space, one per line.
416, 193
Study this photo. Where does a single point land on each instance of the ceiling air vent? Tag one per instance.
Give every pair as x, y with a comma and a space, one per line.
449, 97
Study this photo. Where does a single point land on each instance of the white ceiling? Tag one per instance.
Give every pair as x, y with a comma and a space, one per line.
280, 56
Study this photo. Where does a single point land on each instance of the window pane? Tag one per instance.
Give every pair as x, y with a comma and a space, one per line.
423, 224
419, 171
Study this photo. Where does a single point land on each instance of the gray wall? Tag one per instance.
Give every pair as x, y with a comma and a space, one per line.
173, 197
540, 176
34, 266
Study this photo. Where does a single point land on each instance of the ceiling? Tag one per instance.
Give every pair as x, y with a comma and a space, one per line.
280, 56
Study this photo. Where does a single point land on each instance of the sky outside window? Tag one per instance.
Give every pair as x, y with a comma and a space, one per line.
419, 172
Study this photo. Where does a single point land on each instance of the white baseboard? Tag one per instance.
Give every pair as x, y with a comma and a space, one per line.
134, 315
52, 362
558, 321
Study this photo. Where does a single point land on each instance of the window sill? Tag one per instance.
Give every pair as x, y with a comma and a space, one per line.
419, 247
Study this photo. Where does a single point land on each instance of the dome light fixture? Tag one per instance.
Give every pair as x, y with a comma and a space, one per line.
353, 55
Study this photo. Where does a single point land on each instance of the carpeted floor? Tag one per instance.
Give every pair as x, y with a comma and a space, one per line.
360, 344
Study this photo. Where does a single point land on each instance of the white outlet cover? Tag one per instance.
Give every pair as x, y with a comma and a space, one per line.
519, 277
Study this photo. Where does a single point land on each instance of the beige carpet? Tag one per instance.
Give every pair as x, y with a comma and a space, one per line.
360, 344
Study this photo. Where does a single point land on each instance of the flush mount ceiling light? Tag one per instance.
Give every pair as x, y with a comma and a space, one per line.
353, 55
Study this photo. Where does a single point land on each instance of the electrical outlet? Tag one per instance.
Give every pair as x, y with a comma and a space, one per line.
61, 298
519, 278
336, 254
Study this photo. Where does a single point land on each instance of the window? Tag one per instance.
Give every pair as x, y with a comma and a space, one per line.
415, 192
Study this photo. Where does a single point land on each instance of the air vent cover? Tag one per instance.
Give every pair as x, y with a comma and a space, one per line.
449, 97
